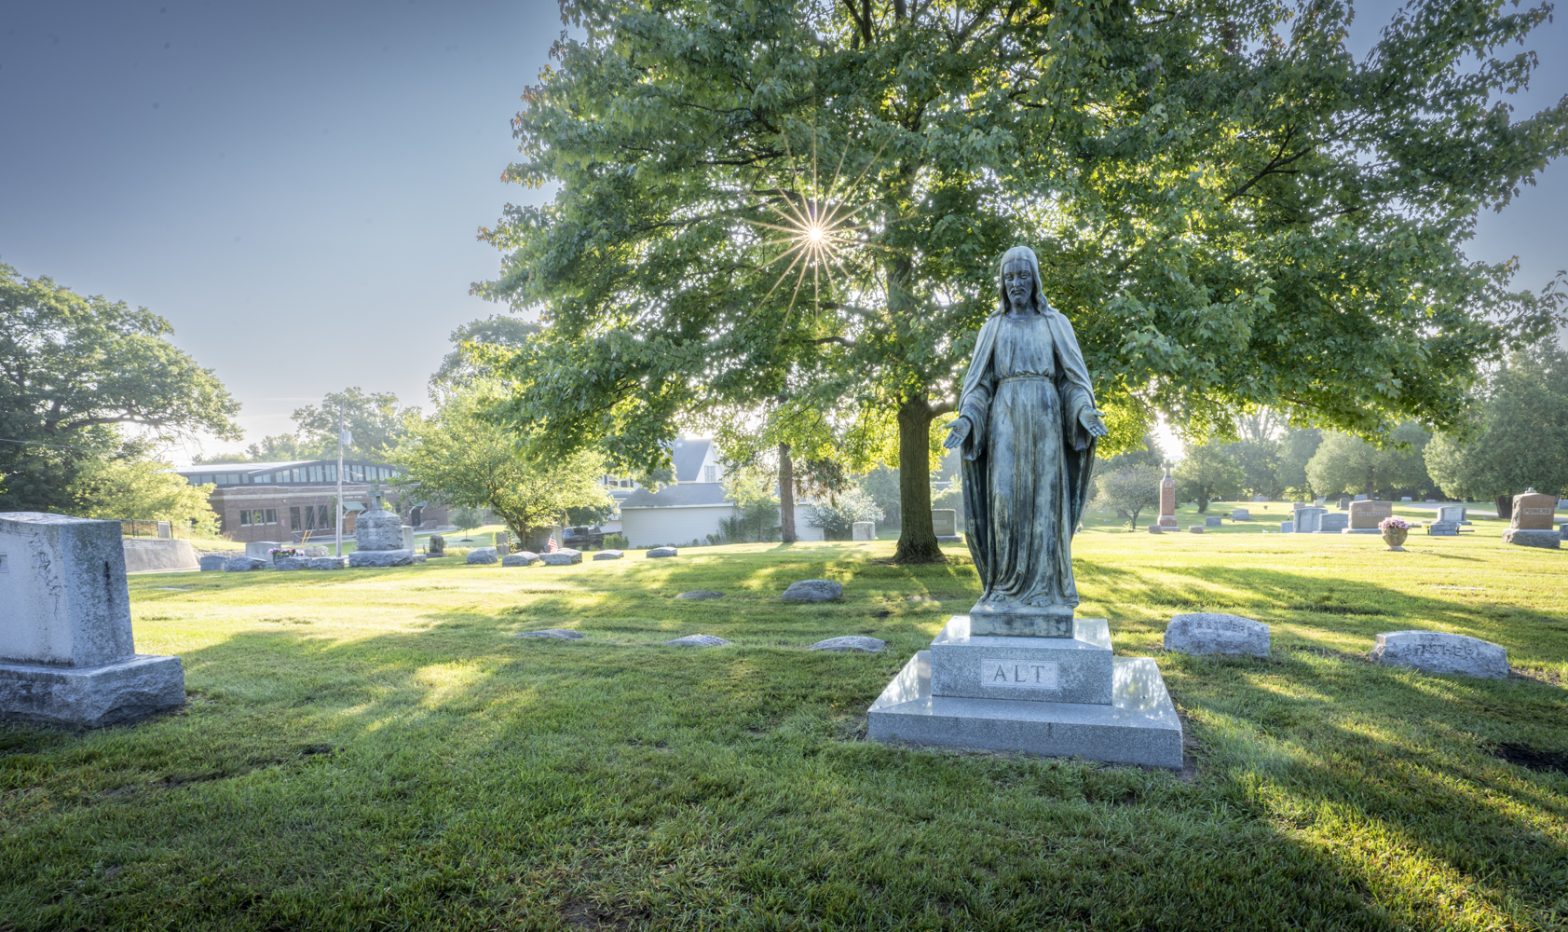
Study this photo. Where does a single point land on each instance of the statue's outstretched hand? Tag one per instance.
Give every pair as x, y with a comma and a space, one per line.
1090, 419
957, 433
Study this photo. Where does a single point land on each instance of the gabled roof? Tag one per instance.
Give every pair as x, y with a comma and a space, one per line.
684, 495
688, 456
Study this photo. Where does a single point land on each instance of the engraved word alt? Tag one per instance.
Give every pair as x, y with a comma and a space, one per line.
1020, 674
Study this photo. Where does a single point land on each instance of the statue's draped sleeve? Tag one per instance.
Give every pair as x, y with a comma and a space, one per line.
974, 399
974, 405
1077, 395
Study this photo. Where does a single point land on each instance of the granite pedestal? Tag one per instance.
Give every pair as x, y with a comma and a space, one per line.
1050, 696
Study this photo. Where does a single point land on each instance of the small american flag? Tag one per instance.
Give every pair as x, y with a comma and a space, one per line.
550, 546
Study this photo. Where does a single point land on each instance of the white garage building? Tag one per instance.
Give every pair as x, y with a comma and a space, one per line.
687, 511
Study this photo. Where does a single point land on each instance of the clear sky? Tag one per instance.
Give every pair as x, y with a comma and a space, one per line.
296, 186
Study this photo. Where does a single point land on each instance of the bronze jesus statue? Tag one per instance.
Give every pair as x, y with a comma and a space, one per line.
1027, 426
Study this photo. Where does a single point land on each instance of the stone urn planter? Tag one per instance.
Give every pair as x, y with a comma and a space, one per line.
1395, 530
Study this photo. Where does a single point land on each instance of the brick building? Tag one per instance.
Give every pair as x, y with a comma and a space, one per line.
285, 501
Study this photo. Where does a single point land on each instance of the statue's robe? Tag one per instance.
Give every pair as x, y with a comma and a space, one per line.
1027, 460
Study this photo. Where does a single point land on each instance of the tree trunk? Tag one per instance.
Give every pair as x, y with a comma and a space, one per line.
1505, 507
786, 495
1203, 500
916, 536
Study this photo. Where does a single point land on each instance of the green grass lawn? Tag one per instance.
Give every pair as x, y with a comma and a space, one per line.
374, 748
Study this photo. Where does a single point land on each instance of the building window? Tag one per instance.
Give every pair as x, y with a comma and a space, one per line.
326, 517
710, 473
294, 517
272, 516
314, 473
244, 518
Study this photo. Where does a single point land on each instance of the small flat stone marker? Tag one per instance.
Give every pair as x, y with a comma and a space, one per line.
520, 558
696, 640
814, 590
213, 561
1217, 633
1195, 529
1437, 652
700, 595
560, 634
1211, 521
243, 564
659, 552
852, 642
482, 555
608, 555
566, 556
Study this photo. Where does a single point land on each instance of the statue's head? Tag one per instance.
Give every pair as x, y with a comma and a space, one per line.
1020, 283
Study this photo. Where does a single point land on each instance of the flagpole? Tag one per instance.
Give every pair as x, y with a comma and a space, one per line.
340, 480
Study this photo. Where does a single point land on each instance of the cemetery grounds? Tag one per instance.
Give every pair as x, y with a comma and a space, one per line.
377, 748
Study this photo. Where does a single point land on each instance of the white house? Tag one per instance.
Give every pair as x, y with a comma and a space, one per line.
690, 508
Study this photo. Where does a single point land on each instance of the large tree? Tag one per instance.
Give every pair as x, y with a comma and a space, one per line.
1519, 437
74, 370
1232, 210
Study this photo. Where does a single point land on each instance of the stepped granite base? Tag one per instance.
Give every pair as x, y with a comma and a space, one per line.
1055, 697
90, 697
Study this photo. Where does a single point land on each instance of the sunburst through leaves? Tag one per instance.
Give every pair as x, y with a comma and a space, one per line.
814, 228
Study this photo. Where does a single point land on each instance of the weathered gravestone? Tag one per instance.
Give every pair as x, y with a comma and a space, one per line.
1287, 527
1531, 525
165, 530
1309, 519
213, 561
408, 537
556, 634
378, 539
481, 555
1195, 529
696, 640
945, 522
814, 590
1156, 529
566, 556
1436, 652
1449, 518
520, 558
1217, 633
1333, 522
66, 653
1240, 514
659, 553
863, 530
608, 555
864, 645
1211, 521
1365, 516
